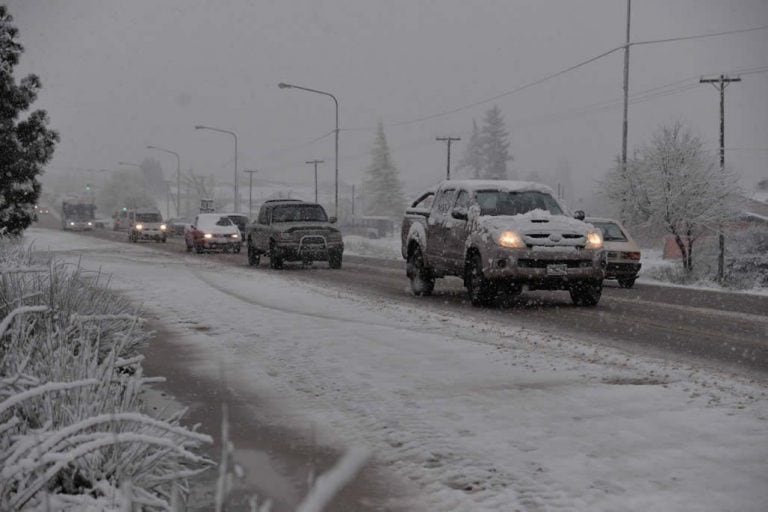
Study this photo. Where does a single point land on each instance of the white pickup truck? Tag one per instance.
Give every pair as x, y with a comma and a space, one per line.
500, 236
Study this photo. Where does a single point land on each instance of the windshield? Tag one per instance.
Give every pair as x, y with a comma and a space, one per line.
148, 217
79, 211
611, 231
497, 202
299, 213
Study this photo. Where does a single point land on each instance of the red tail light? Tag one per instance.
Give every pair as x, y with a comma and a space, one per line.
631, 256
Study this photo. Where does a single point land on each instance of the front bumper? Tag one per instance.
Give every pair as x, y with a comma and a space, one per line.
545, 268
220, 243
78, 226
318, 251
148, 234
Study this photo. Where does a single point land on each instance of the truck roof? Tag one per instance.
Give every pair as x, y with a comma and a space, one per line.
505, 185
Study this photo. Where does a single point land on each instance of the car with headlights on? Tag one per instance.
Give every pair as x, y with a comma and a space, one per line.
291, 230
499, 236
622, 252
146, 224
212, 232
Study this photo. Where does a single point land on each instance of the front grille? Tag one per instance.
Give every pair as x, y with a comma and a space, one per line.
531, 263
313, 240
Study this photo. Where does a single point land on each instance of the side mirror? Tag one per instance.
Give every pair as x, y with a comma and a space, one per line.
332, 220
579, 215
459, 214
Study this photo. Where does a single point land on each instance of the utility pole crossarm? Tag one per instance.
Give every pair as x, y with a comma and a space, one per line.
448, 141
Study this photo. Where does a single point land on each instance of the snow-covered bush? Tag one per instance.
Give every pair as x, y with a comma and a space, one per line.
72, 432
747, 258
746, 262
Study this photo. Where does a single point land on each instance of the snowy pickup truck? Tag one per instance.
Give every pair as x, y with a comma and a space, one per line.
293, 230
500, 236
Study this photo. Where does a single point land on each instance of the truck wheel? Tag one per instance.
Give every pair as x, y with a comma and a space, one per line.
422, 282
481, 291
275, 261
334, 260
253, 258
199, 249
626, 282
586, 293
236, 250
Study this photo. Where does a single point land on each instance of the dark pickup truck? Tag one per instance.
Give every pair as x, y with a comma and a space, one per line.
292, 230
499, 236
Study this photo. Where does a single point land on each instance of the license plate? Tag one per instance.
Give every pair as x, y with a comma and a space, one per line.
557, 270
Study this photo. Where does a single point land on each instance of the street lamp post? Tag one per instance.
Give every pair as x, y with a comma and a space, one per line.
284, 85
315, 162
250, 191
201, 127
178, 176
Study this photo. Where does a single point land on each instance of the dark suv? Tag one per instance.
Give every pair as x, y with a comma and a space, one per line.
291, 230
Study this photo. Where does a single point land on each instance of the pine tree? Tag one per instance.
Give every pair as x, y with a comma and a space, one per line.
495, 144
26, 144
382, 191
472, 161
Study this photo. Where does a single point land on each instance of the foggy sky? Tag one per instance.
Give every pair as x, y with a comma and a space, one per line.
120, 75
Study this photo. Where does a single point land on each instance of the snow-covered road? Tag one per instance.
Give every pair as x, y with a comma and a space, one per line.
468, 417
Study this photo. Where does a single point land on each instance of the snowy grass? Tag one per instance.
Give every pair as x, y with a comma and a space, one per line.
384, 248
73, 434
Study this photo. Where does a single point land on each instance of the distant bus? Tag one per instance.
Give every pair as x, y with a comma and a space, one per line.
77, 215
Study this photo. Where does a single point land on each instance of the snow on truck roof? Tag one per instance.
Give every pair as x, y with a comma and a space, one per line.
502, 185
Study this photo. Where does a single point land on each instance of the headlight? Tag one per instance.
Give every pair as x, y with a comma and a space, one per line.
511, 240
139, 226
90, 223
235, 235
163, 227
207, 235
71, 223
594, 240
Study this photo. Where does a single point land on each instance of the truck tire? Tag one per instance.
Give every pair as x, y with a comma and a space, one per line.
334, 259
481, 291
626, 282
253, 258
275, 261
586, 293
422, 281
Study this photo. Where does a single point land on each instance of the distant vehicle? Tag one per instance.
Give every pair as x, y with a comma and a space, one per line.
239, 220
77, 214
146, 224
499, 236
177, 226
292, 230
370, 226
212, 232
622, 252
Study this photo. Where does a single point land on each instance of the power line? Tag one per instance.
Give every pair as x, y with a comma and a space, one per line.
698, 36
550, 76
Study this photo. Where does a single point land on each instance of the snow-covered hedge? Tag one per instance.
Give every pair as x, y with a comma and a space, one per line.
72, 432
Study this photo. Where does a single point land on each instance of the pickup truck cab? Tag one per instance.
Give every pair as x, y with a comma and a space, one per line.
499, 236
293, 230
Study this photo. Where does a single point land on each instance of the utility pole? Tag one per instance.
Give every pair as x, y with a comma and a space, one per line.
448, 140
315, 162
721, 83
625, 121
353, 201
250, 191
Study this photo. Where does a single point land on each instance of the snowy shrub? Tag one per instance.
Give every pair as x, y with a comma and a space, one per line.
72, 432
746, 262
747, 258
